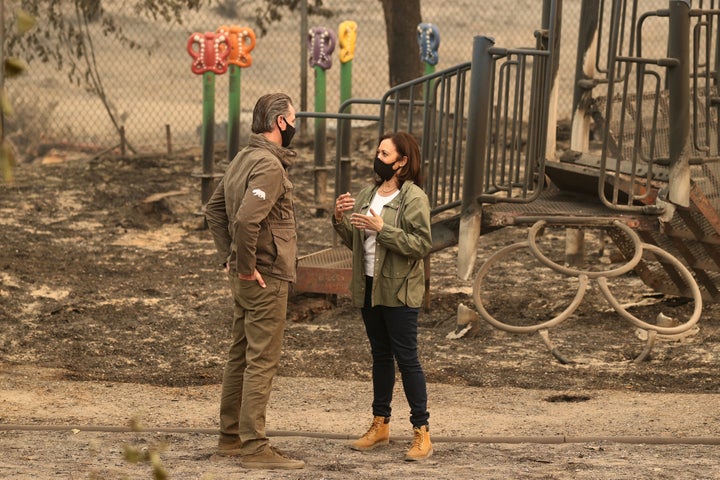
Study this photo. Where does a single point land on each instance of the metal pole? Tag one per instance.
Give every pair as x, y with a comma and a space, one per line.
208, 136
550, 41
2, 70
347, 39
321, 42
303, 64
584, 74
679, 92
241, 41
233, 127
429, 44
345, 94
582, 96
320, 130
716, 69
168, 139
478, 118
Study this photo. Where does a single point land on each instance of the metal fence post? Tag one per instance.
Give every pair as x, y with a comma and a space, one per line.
679, 92
470, 218
303, 64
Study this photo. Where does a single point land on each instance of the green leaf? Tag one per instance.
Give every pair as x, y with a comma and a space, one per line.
25, 21
5, 105
7, 162
132, 454
14, 67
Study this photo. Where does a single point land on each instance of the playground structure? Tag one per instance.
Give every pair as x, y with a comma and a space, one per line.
643, 164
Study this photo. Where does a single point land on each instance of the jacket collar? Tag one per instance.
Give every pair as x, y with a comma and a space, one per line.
407, 184
285, 155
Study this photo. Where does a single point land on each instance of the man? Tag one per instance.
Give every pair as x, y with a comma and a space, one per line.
252, 221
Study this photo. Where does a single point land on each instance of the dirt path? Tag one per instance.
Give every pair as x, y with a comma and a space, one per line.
479, 432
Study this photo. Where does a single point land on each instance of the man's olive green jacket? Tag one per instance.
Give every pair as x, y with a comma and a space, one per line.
251, 213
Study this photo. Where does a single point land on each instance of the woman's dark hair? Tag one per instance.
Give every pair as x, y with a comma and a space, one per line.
406, 146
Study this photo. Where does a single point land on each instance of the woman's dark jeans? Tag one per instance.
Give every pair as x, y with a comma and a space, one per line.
392, 332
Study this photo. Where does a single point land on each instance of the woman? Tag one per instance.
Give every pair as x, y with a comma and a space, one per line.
388, 229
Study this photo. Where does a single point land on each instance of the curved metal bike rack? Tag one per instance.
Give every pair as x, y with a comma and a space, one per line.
584, 276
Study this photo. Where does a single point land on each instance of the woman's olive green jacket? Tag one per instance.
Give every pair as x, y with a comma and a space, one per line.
402, 244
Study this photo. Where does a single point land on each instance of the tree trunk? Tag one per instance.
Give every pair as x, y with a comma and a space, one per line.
402, 18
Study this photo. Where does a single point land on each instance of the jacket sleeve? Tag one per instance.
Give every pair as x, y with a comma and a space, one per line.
217, 219
344, 230
414, 239
265, 187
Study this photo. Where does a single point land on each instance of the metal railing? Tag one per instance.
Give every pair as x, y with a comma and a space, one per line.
509, 117
663, 118
433, 109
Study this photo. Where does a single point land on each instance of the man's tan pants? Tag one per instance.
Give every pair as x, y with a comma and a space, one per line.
258, 326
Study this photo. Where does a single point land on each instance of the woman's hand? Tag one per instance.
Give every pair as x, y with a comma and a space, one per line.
368, 222
343, 203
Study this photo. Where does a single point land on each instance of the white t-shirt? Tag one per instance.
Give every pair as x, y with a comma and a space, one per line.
377, 204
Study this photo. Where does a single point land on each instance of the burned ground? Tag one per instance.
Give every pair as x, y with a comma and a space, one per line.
106, 272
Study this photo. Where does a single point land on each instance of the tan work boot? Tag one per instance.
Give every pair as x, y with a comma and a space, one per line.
421, 446
377, 435
270, 458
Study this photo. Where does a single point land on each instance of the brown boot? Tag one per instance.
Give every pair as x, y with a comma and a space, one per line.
270, 458
229, 447
421, 446
377, 435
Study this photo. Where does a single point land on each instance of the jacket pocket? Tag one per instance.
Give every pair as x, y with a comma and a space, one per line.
285, 241
396, 266
413, 289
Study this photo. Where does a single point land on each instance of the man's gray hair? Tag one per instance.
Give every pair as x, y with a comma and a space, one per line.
267, 109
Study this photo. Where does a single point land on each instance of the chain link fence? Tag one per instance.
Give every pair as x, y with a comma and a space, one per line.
151, 91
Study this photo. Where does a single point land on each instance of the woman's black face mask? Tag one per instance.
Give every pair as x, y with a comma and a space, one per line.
384, 170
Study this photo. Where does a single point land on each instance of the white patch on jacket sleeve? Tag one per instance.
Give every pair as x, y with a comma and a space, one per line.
259, 193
